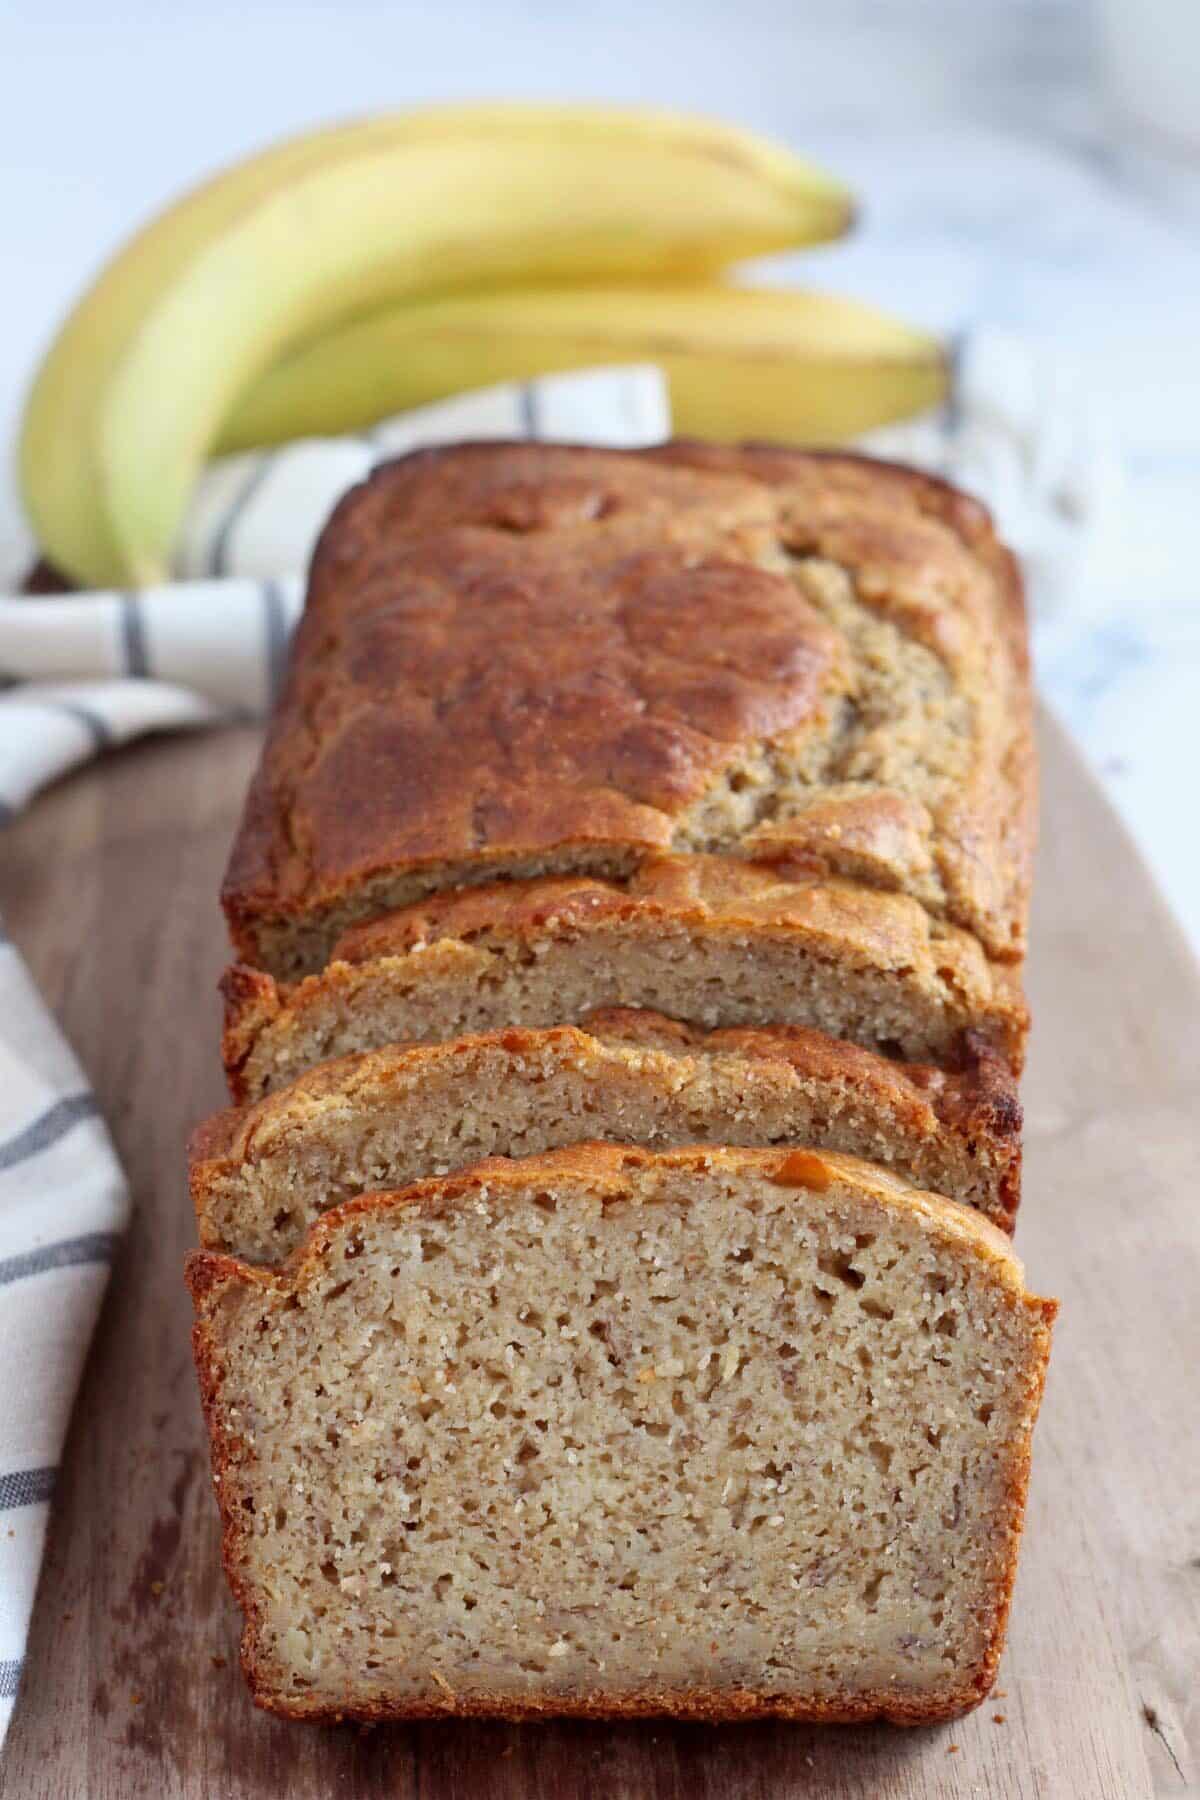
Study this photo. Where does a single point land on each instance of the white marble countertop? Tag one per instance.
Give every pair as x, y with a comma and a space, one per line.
994, 189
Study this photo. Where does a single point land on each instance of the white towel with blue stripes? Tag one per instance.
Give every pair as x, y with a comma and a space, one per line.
84, 672
63, 1203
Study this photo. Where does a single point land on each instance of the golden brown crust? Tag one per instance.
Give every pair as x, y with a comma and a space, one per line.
713, 1707
975, 1106
606, 1169
553, 657
251, 1003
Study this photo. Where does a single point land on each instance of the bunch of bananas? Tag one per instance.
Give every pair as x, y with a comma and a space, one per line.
355, 271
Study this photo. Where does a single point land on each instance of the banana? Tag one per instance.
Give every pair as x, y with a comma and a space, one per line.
57, 469
303, 238
740, 362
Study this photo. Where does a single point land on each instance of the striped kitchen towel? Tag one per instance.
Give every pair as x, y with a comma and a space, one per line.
63, 1203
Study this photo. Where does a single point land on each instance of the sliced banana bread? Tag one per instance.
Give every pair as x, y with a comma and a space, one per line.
712, 1433
708, 940
262, 1175
528, 659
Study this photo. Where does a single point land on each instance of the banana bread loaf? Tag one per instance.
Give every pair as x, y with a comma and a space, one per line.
261, 1176
708, 940
712, 1433
529, 660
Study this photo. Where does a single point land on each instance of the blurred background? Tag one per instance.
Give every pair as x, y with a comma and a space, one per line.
1027, 165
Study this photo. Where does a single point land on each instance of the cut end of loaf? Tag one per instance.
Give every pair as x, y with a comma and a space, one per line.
711, 1433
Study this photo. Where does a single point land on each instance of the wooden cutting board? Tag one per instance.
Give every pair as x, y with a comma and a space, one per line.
132, 1689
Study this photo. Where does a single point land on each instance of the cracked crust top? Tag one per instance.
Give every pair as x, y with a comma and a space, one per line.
524, 659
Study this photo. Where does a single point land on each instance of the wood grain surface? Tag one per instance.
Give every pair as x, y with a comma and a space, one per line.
131, 1690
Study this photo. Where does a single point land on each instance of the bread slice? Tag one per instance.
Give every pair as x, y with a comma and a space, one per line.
707, 940
261, 1176
527, 659
712, 1433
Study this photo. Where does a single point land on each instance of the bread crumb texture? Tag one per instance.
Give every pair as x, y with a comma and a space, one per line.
605, 1431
